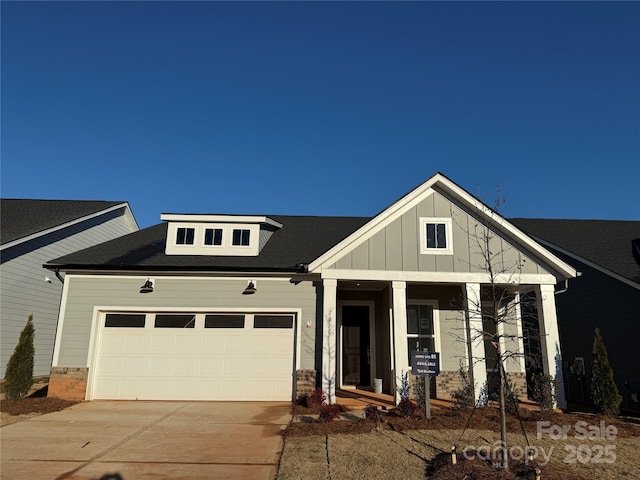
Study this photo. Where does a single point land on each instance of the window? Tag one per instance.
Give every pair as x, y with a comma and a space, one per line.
224, 321
185, 236
175, 321
240, 237
124, 320
213, 236
420, 329
435, 236
273, 321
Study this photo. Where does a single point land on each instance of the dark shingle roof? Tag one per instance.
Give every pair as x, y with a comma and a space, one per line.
23, 217
300, 241
606, 243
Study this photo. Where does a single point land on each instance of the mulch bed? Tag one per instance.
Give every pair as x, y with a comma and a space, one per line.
443, 418
34, 405
441, 468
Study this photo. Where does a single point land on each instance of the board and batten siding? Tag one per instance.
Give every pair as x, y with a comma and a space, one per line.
396, 246
179, 294
24, 289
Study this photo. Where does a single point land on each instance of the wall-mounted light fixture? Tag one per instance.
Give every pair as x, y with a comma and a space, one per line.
147, 287
250, 289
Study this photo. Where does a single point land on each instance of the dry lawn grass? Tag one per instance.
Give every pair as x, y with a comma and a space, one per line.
384, 453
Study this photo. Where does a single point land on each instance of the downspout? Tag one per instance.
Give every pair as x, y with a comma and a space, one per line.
58, 276
566, 285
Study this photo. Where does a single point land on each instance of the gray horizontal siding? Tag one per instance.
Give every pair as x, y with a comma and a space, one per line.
24, 291
397, 247
177, 294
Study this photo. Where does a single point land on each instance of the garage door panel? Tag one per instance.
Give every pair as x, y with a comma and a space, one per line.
186, 366
160, 366
113, 343
212, 344
133, 365
260, 366
195, 363
161, 344
235, 344
157, 388
210, 366
186, 343
134, 344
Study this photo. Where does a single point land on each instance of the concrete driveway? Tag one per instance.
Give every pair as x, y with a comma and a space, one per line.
137, 440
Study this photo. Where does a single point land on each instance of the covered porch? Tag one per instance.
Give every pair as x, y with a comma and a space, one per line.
370, 327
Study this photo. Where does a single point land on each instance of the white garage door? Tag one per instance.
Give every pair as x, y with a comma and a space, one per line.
177, 356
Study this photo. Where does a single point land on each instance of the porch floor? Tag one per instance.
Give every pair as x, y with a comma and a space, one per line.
361, 397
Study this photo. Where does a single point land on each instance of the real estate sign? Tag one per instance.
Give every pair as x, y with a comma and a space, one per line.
425, 363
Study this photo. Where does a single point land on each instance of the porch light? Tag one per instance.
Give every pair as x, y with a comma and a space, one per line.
147, 287
250, 290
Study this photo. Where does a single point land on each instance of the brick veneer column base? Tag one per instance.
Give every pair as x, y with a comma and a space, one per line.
68, 383
305, 382
447, 383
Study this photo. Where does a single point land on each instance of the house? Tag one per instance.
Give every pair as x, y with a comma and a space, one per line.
34, 232
606, 295
266, 307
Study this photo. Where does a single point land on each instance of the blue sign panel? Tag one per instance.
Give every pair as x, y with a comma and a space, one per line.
425, 363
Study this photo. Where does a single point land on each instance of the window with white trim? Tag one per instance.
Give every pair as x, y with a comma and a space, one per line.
185, 236
213, 236
420, 329
436, 236
240, 237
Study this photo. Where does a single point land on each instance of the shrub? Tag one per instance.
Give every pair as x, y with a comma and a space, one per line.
407, 408
510, 396
316, 399
420, 392
604, 391
371, 412
544, 390
403, 389
463, 397
328, 412
19, 374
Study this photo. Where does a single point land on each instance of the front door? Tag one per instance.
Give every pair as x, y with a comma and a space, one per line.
356, 347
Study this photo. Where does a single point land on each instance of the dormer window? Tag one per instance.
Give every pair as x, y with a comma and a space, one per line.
221, 235
241, 237
185, 236
213, 236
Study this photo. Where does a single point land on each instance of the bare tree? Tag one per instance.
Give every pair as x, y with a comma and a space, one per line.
492, 316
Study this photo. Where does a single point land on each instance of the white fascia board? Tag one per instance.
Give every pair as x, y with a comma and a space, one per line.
438, 277
564, 269
179, 217
451, 190
68, 224
373, 226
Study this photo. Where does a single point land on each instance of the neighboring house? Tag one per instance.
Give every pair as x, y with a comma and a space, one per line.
606, 295
33, 232
265, 307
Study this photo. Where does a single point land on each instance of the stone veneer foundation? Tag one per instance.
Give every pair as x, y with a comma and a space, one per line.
305, 382
68, 383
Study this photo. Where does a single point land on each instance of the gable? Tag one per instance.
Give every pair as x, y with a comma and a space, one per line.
395, 239
400, 245
23, 218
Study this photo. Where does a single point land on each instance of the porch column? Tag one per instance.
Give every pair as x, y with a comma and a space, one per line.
520, 335
401, 352
475, 339
550, 338
329, 346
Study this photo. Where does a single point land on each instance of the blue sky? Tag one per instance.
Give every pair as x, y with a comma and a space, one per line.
322, 108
